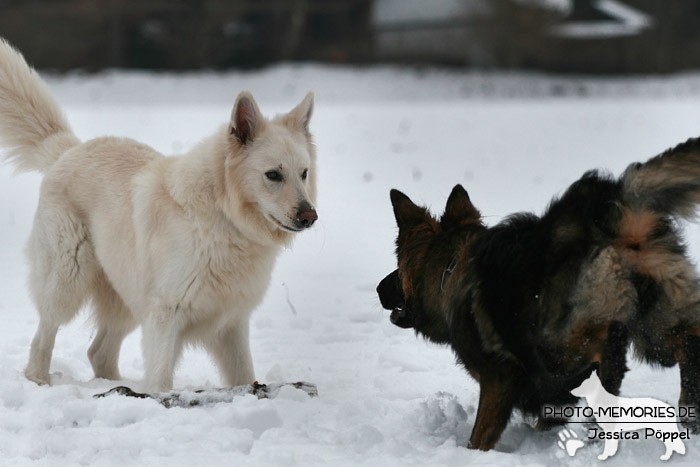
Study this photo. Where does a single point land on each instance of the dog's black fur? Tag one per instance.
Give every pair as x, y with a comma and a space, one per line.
531, 305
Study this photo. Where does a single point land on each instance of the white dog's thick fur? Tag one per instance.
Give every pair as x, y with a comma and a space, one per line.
183, 246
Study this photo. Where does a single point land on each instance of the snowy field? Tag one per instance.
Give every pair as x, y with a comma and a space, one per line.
386, 398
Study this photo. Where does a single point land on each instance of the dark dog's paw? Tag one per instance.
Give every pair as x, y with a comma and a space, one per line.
546, 424
484, 439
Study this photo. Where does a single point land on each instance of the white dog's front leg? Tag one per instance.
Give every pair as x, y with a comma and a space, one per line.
231, 351
162, 345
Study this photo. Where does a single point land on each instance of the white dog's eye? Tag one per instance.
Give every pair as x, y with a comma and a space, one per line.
305, 174
274, 175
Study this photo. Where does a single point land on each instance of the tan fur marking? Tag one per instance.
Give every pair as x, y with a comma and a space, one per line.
635, 227
633, 241
679, 354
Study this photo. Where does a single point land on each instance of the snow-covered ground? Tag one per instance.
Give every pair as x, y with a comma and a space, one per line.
386, 397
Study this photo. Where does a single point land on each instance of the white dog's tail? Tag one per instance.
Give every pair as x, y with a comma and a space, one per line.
33, 131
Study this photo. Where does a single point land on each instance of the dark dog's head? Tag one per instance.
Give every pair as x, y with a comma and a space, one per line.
424, 248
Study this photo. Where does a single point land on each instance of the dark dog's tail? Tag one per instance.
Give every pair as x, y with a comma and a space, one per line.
654, 195
667, 185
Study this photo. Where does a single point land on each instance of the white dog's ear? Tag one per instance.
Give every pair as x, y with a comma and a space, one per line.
246, 119
300, 116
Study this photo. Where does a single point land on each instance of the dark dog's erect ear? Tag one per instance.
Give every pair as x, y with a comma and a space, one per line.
246, 119
405, 211
459, 207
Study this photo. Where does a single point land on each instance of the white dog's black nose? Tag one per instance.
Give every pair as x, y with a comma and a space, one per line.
306, 215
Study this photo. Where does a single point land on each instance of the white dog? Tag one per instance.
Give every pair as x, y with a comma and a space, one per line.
183, 246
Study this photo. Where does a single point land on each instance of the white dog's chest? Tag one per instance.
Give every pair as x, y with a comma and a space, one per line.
219, 278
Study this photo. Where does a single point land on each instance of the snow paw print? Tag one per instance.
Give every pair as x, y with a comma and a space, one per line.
569, 442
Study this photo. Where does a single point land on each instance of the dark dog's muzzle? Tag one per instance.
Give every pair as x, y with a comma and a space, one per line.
391, 298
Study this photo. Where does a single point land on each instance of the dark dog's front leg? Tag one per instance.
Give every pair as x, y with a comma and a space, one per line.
689, 363
613, 364
496, 398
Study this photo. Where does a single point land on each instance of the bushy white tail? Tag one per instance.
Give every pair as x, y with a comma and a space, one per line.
33, 131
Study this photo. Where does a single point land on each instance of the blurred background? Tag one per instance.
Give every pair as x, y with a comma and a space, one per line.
583, 36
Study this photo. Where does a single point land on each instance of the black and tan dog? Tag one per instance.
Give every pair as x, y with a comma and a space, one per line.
530, 305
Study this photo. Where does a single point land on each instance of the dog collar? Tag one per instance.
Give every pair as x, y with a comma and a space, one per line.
447, 271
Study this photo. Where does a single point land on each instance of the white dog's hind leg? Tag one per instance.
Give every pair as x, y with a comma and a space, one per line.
162, 346
63, 268
231, 351
114, 322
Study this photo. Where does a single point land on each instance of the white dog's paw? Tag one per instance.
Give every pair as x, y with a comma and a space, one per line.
569, 442
37, 377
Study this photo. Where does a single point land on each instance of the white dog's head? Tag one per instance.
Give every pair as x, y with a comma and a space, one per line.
270, 175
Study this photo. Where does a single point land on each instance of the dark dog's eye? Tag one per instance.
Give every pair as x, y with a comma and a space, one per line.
274, 175
305, 174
